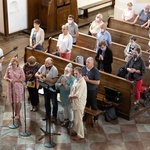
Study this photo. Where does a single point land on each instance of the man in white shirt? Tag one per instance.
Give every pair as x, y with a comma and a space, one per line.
1, 60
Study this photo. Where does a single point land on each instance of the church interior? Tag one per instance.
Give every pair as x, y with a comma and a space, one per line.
131, 129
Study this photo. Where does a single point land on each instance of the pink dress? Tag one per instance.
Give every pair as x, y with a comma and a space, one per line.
16, 89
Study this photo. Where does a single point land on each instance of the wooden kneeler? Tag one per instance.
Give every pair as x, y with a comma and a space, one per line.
89, 115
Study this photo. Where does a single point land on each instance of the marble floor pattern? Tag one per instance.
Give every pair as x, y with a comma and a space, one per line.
119, 134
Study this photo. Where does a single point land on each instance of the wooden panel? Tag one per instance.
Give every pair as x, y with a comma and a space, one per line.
62, 15
67, 2
60, 3
74, 10
33, 7
43, 9
51, 16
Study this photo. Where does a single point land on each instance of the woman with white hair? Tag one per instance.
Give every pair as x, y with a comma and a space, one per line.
95, 25
64, 44
64, 84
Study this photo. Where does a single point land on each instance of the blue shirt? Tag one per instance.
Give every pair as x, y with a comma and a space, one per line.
103, 36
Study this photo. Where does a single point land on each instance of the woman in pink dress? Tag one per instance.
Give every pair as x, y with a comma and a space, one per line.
15, 77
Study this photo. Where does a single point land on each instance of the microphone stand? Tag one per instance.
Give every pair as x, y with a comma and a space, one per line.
49, 143
13, 125
25, 133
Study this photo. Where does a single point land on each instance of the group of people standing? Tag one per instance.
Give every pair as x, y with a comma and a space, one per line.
76, 91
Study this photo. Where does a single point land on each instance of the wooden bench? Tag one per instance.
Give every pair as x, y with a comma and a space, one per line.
121, 37
127, 88
127, 27
117, 49
89, 115
117, 62
85, 8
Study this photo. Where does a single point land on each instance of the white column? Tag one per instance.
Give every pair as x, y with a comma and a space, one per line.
17, 15
1, 18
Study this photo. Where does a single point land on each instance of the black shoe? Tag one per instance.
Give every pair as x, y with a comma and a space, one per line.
70, 126
65, 123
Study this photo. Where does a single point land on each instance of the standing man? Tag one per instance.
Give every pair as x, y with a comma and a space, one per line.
48, 73
92, 78
103, 35
1, 60
136, 69
78, 95
73, 28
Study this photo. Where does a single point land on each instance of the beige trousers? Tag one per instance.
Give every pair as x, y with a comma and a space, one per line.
78, 123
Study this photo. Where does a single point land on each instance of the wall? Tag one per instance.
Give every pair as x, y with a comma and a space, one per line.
120, 5
1, 18
17, 15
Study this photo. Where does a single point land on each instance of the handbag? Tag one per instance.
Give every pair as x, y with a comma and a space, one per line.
112, 95
110, 114
31, 84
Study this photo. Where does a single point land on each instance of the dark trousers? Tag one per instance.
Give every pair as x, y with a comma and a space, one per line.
92, 101
34, 96
48, 96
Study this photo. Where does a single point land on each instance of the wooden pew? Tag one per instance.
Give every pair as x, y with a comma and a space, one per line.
125, 108
117, 49
85, 8
117, 62
127, 27
121, 37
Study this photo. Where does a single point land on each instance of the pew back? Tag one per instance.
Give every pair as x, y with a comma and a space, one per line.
127, 27
117, 62
121, 37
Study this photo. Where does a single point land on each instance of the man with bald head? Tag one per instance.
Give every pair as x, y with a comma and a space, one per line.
92, 78
48, 73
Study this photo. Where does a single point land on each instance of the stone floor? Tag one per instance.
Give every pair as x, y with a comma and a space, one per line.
119, 134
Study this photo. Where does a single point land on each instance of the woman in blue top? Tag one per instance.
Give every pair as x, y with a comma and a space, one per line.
143, 17
64, 84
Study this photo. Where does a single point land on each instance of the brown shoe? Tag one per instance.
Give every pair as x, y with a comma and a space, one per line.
53, 119
73, 133
17, 117
76, 138
45, 118
95, 123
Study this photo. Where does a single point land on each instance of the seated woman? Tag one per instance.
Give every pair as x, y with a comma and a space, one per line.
143, 17
146, 25
95, 25
104, 57
128, 52
128, 14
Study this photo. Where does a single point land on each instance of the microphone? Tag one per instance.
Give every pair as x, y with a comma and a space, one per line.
16, 47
